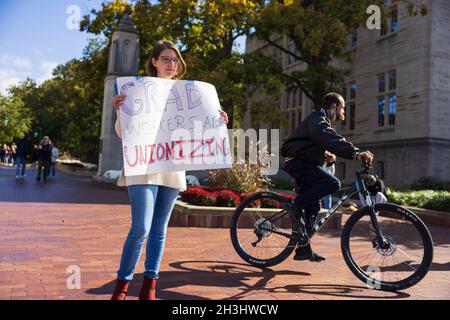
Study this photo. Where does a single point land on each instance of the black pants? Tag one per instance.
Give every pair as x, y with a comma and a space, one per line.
43, 165
313, 182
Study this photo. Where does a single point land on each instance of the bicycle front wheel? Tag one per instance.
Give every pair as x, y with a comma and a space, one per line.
262, 233
401, 262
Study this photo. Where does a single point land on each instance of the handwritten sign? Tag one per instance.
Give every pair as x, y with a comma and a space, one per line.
171, 125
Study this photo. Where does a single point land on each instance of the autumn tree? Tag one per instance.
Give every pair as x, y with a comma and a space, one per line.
206, 32
319, 30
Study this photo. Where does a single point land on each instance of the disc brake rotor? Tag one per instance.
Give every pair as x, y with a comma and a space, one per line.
388, 250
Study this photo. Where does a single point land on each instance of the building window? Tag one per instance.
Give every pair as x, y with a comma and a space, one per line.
349, 92
381, 111
392, 109
342, 170
352, 90
288, 98
286, 130
293, 121
391, 24
299, 119
278, 55
387, 103
293, 50
354, 38
352, 116
380, 169
293, 98
344, 92
392, 80
394, 19
381, 82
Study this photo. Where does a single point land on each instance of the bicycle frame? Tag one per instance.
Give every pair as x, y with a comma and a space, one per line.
357, 187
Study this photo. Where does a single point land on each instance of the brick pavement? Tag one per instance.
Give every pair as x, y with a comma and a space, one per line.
45, 228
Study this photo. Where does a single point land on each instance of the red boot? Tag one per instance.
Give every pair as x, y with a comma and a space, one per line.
120, 291
148, 290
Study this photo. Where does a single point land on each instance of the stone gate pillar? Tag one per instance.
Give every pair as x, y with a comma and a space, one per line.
123, 61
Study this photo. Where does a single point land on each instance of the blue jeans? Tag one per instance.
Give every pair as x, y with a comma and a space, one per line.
151, 207
327, 202
20, 162
314, 182
53, 168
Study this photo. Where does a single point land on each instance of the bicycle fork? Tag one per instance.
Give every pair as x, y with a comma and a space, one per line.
380, 239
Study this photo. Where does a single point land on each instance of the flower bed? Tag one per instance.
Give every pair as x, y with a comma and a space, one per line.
219, 197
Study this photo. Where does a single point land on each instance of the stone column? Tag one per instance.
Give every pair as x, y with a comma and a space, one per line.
123, 61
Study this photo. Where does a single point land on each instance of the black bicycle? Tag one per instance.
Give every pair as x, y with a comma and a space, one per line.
385, 245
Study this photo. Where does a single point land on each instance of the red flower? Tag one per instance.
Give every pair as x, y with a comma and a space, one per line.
227, 198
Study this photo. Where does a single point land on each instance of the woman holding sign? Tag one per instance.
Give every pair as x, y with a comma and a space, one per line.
152, 196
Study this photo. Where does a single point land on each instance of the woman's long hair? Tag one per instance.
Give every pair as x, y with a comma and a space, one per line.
159, 47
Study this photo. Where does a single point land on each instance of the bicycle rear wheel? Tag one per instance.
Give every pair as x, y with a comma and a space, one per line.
399, 264
257, 240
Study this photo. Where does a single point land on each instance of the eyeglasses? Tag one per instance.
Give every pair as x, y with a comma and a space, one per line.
168, 60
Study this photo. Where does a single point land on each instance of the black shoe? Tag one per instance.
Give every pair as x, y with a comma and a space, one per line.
306, 253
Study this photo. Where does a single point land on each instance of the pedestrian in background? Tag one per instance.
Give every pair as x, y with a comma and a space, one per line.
44, 159
34, 155
327, 200
376, 188
2, 154
22, 153
55, 155
13, 154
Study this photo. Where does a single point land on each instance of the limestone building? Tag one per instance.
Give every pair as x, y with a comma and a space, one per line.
397, 95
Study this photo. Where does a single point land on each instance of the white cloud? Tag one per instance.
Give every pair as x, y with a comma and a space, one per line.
14, 69
8, 78
46, 71
22, 63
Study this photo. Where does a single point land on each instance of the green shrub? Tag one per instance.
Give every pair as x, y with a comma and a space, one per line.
427, 199
430, 183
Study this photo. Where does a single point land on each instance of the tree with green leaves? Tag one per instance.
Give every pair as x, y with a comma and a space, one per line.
15, 119
206, 32
319, 30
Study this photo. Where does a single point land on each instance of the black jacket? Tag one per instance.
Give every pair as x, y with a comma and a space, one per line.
45, 154
312, 137
23, 148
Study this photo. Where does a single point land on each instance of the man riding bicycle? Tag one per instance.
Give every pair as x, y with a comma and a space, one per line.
312, 146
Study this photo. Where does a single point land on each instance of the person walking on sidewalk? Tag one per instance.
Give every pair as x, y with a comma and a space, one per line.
376, 188
55, 155
152, 196
44, 159
22, 153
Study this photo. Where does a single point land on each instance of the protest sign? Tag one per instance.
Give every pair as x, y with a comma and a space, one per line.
171, 125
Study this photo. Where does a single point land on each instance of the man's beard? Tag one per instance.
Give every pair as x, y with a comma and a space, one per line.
333, 116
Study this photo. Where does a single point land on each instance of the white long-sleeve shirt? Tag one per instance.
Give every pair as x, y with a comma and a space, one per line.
175, 180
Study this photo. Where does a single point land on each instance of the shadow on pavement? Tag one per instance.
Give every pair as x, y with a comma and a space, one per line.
229, 275
63, 188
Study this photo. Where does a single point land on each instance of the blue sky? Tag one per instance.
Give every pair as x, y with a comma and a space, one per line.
37, 35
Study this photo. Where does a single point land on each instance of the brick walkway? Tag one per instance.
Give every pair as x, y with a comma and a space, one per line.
45, 228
